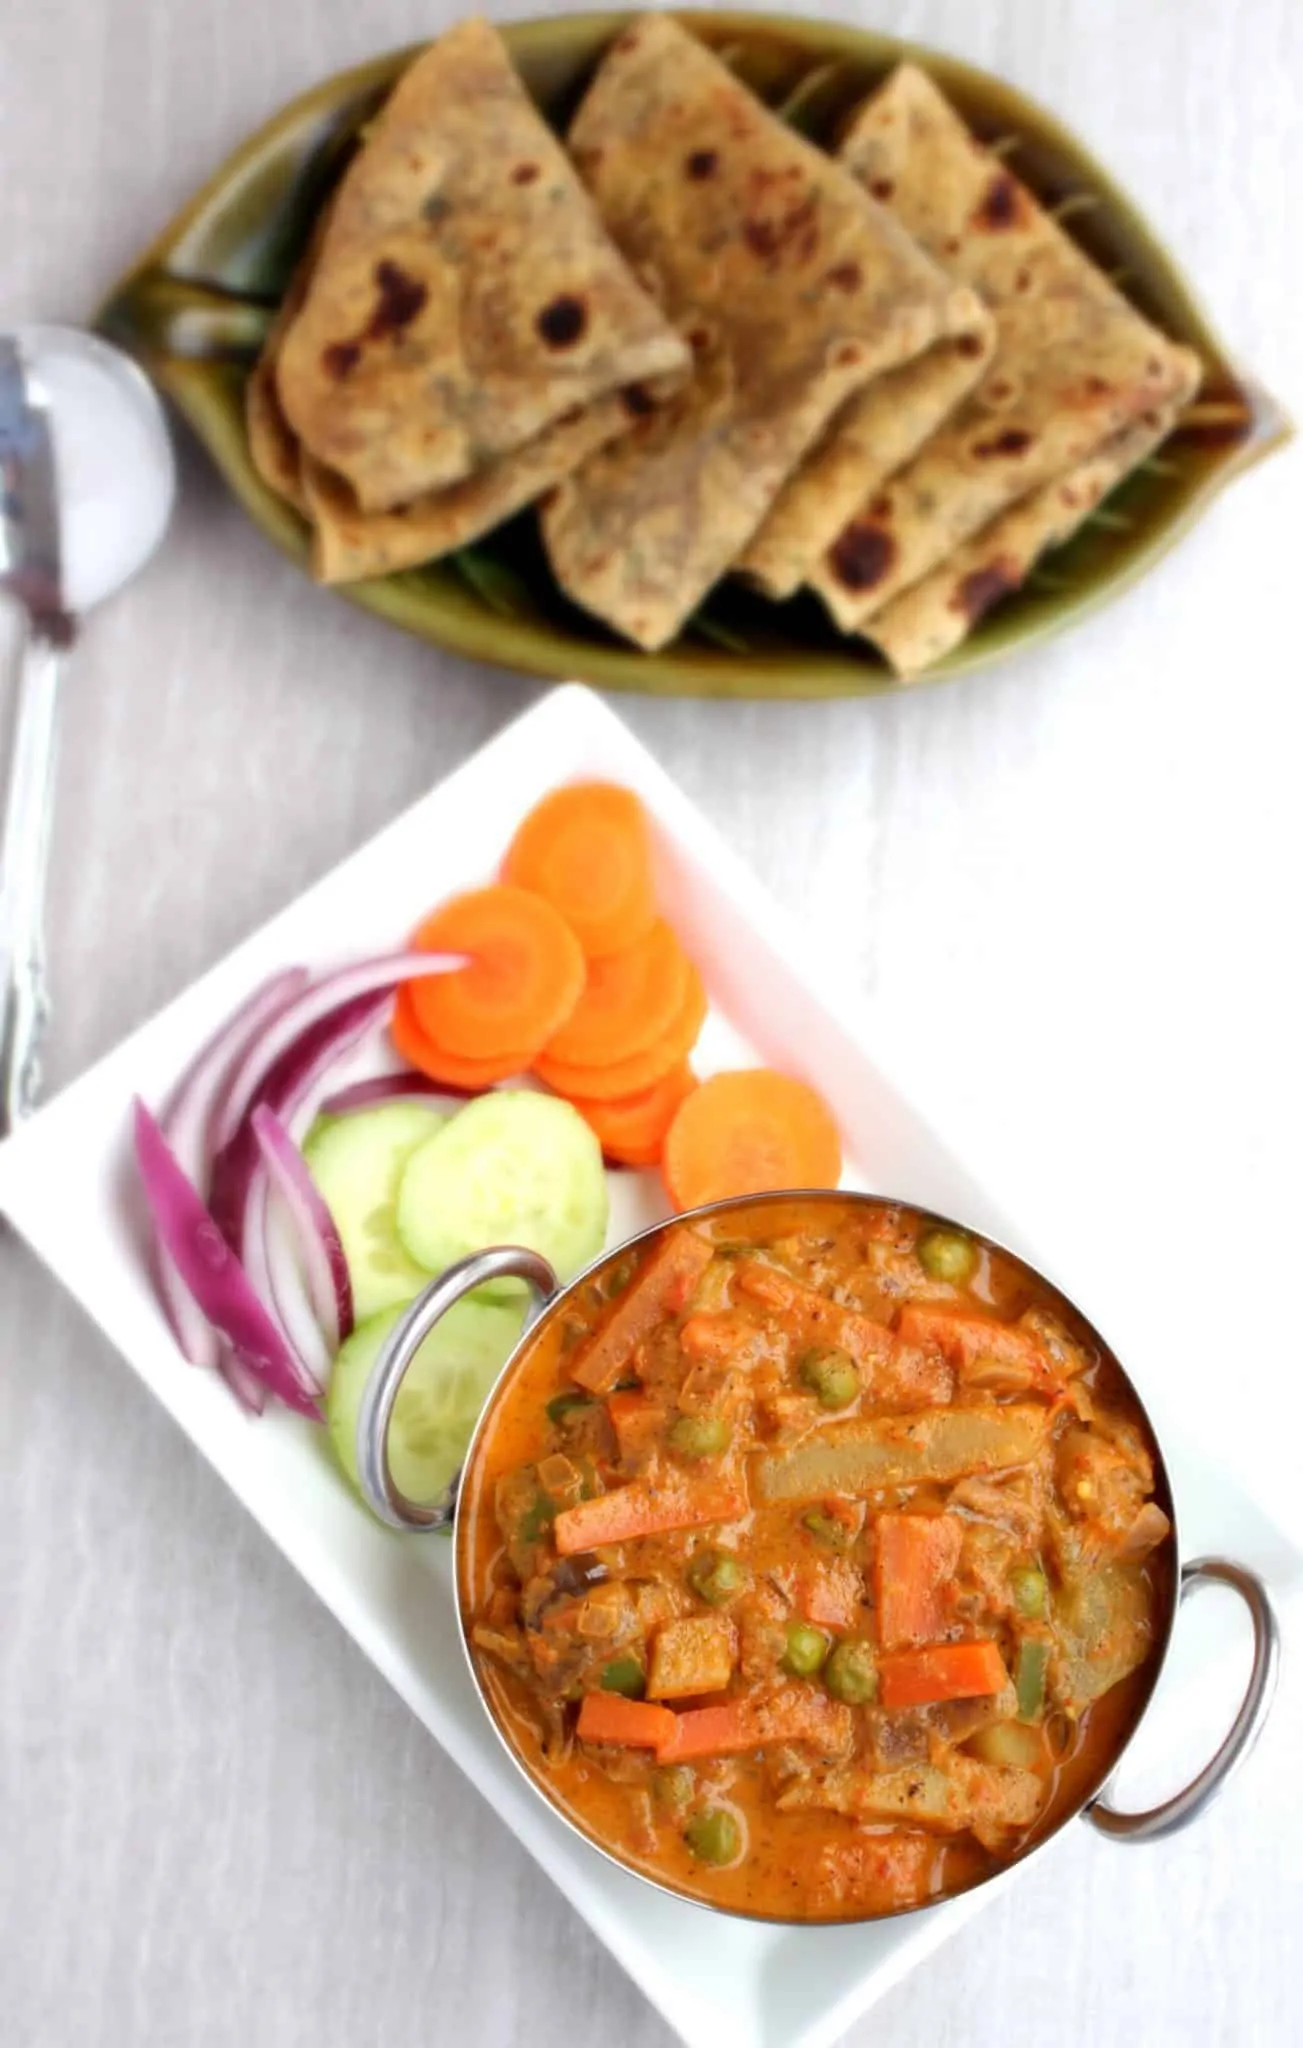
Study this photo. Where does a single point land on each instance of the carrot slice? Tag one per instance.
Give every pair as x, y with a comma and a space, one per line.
635, 1724
632, 1128
419, 1049
630, 999
744, 1133
586, 848
525, 975
947, 1671
641, 1070
917, 1557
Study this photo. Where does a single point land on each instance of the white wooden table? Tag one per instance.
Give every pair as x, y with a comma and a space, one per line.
1071, 886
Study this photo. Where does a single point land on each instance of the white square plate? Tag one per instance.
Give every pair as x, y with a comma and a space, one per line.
65, 1181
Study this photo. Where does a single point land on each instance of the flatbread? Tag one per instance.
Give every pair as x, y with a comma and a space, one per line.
935, 614
871, 437
273, 443
466, 296
348, 543
1074, 365
792, 287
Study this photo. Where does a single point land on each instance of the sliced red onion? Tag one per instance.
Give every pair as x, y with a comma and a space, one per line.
325, 1269
247, 1388
209, 1268
406, 1087
187, 1122
240, 1197
268, 1257
316, 1004
275, 1050
186, 1126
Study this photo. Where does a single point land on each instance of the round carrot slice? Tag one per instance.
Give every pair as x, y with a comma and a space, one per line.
749, 1132
632, 1128
525, 974
420, 1051
586, 848
630, 1000
641, 1069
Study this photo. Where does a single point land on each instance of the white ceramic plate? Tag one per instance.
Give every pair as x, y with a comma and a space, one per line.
65, 1181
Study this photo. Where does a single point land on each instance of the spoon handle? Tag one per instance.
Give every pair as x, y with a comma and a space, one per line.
24, 857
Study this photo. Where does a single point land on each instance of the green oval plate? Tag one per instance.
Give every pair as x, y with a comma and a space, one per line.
195, 307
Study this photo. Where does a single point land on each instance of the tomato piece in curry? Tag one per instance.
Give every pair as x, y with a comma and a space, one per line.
810, 1558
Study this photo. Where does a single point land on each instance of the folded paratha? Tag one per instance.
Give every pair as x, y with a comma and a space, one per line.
793, 289
348, 543
273, 443
873, 434
939, 611
1075, 363
466, 296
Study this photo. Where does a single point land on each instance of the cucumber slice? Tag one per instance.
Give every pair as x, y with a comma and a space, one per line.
510, 1168
439, 1402
357, 1162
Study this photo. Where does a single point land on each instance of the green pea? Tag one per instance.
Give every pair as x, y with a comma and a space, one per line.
617, 1278
699, 1436
672, 1788
947, 1255
625, 1675
713, 1835
806, 1649
827, 1529
831, 1377
716, 1576
851, 1675
1030, 1592
563, 1408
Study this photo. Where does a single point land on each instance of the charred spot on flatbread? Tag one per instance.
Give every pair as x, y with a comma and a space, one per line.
791, 235
984, 587
1002, 204
563, 320
339, 357
399, 298
1009, 441
862, 555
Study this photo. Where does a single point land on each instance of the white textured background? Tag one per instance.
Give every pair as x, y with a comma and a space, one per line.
1072, 887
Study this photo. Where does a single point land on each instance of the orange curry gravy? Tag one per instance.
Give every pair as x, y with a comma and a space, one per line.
810, 1561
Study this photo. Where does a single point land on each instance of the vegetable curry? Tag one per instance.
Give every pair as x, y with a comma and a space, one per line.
810, 1558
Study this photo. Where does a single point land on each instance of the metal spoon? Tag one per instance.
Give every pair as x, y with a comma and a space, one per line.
87, 481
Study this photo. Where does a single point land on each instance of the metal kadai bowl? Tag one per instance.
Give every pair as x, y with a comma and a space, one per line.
551, 1301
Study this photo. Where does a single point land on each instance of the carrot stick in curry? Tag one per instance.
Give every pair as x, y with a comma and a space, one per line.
946, 1671
663, 1285
795, 1715
647, 1508
967, 1340
635, 1724
915, 1562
